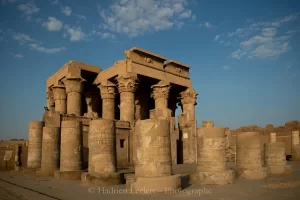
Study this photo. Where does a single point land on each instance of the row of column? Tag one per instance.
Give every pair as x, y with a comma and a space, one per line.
66, 99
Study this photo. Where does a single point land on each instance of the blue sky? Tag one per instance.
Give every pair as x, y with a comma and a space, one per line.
244, 55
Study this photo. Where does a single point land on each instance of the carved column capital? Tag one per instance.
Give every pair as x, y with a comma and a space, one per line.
74, 84
189, 96
161, 90
59, 92
127, 83
107, 91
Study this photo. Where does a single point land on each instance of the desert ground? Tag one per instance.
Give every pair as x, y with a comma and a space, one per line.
19, 185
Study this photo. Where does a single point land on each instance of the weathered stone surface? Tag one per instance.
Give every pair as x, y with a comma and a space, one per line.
35, 144
211, 161
275, 159
249, 156
108, 95
295, 145
60, 97
71, 146
102, 146
50, 151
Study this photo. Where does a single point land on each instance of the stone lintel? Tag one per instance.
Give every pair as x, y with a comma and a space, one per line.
128, 54
176, 63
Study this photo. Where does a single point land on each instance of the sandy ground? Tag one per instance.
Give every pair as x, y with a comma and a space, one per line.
27, 186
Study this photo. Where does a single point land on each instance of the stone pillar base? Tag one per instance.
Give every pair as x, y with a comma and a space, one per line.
279, 170
45, 172
102, 179
252, 174
213, 178
67, 175
152, 185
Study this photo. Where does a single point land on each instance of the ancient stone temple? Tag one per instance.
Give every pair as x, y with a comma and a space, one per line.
142, 86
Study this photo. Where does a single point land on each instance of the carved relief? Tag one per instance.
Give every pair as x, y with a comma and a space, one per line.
161, 90
50, 100
127, 83
59, 92
74, 84
183, 122
107, 91
177, 68
189, 96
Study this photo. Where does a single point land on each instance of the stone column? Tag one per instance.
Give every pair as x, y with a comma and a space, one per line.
272, 137
102, 154
211, 162
70, 151
74, 90
275, 159
248, 156
153, 169
188, 100
108, 96
60, 98
160, 94
188, 125
295, 145
50, 151
92, 102
35, 144
50, 100
127, 85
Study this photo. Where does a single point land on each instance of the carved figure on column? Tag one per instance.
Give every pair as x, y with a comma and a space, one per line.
50, 100
74, 89
108, 95
60, 98
92, 99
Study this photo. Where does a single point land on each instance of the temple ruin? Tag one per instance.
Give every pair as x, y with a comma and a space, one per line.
97, 122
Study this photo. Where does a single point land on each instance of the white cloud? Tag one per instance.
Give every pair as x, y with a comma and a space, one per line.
262, 39
53, 24
81, 17
103, 35
206, 25
67, 10
29, 8
18, 56
217, 37
136, 17
226, 67
23, 38
42, 49
292, 31
75, 33
54, 2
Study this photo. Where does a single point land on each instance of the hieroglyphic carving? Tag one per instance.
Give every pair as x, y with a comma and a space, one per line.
161, 90
127, 83
189, 96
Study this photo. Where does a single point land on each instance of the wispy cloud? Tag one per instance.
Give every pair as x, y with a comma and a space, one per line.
292, 31
54, 2
18, 56
262, 39
23, 38
206, 25
42, 49
226, 67
135, 18
66, 10
29, 8
74, 33
53, 24
217, 37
